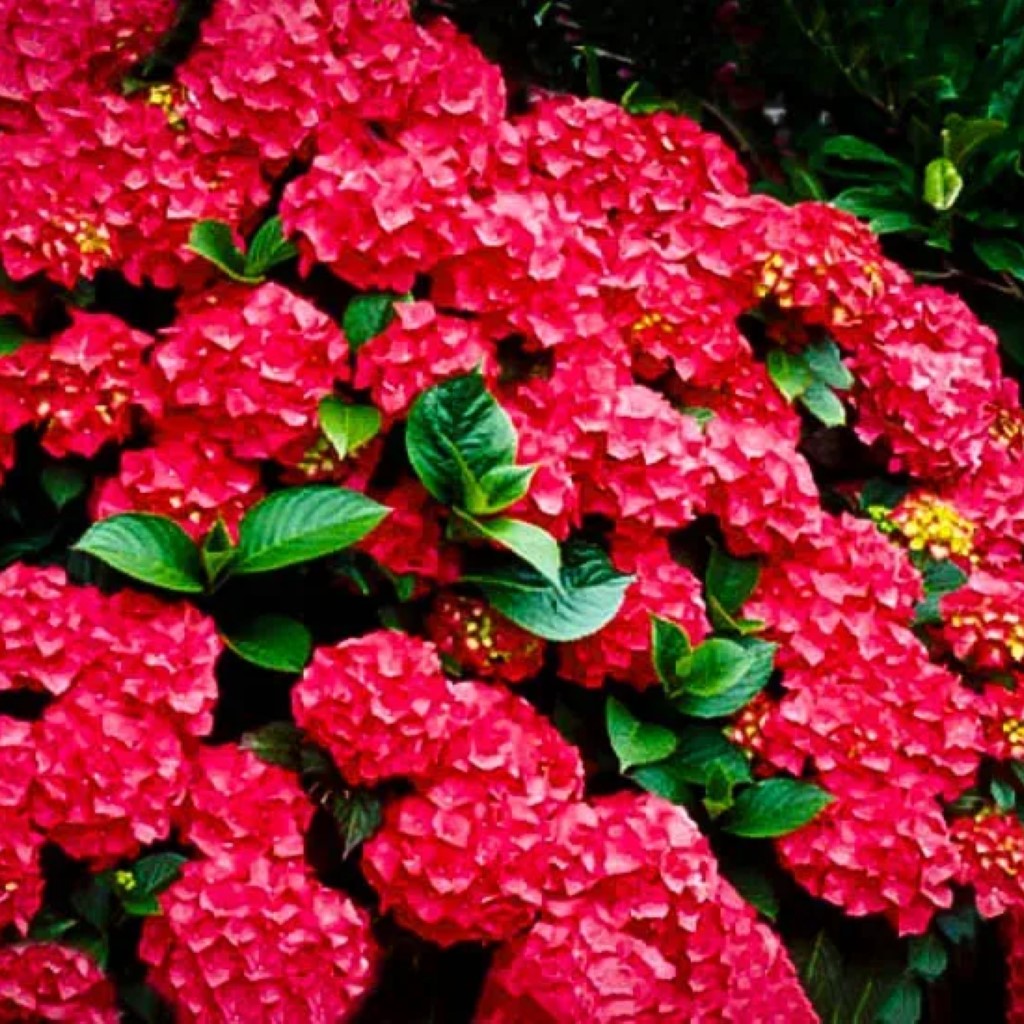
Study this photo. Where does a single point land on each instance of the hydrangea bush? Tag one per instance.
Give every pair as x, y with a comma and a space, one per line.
447, 525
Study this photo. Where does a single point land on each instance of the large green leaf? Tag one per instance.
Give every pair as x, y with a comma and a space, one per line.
731, 580
301, 524
366, 316
759, 666
214, 241
455, 435
636, 743
717, 666
886, 210
148, 548
533, 544
274, 642
848, 151
775, 807
587, 598
1003, 255
701, 747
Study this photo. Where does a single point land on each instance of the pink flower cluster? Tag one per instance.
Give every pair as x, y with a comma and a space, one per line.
616, 255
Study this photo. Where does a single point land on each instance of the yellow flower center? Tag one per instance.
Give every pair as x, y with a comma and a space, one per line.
124, 880
1008, 427
1013, 730
91, 239
166, 98
928, 524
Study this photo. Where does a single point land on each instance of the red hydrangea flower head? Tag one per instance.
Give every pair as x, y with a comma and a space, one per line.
419, 349
45, 981
263, 938
21, 880
108, 776
238, 808
982, 621
481, 642
92, 385
991, 848
379, 704
249, 366
193, 481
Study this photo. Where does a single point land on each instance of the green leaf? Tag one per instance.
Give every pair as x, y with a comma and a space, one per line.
879, 492
850, 148
927, 957
701, 748
636, 743
902, 1005
456, 433
789, 372
665, 780
366, 316
886, 210
1003, 794
943, 577
1002, 255
50, 925
94, 902
302, 524
502, 486
156, 872
962, 136
942, 184
357, 816
759, 670
214, 241
348, 427
274, 642
63, 484
12, 337
821, 402
776, 807
533, 544
141, 906
718, 795
670, 651
754, 885
146, 547
959, 925
279, 743
826, 363
717, 666
731, 580
268, 248
217, 552
588, 598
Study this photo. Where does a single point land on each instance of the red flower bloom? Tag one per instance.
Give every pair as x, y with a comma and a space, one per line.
991, 848
982, 621
193, 481
108, 776
238, 808
481, 642
45, 981
21, 880
379, 704
264, 941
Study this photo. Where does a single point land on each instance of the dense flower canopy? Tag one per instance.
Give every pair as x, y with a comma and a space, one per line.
665, 355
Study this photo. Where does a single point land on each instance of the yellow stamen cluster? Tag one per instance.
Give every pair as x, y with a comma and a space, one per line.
774, 282
320, 460
106, 410
1003, 629
928, 524
1005, 853
653, 322
166, 98
91, 239
1013, 730
124, 880
1008, 427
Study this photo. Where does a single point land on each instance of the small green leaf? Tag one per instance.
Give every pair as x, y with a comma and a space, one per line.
279, 743
348, 427
754, 885
927, 957
961, 136
789, 372
701, 748
63, 484
849, 147
671, 652
500, 487
884, 493
731, 580
267, 249
886, 210
1002, 255
825, 361
718, 794
942, 184
1003, 794
456, 433
760, 664
302, 524
533, 544
50, 925
217, 552
214, 241
943, 577
821, 402
902, 1005
156, 872
94, 902
959, 925
588, 597
141, 906
663, 779
274, 642
366, 316
636, 743
357, 816
776, 807
12, 337
146, 547
717, 666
